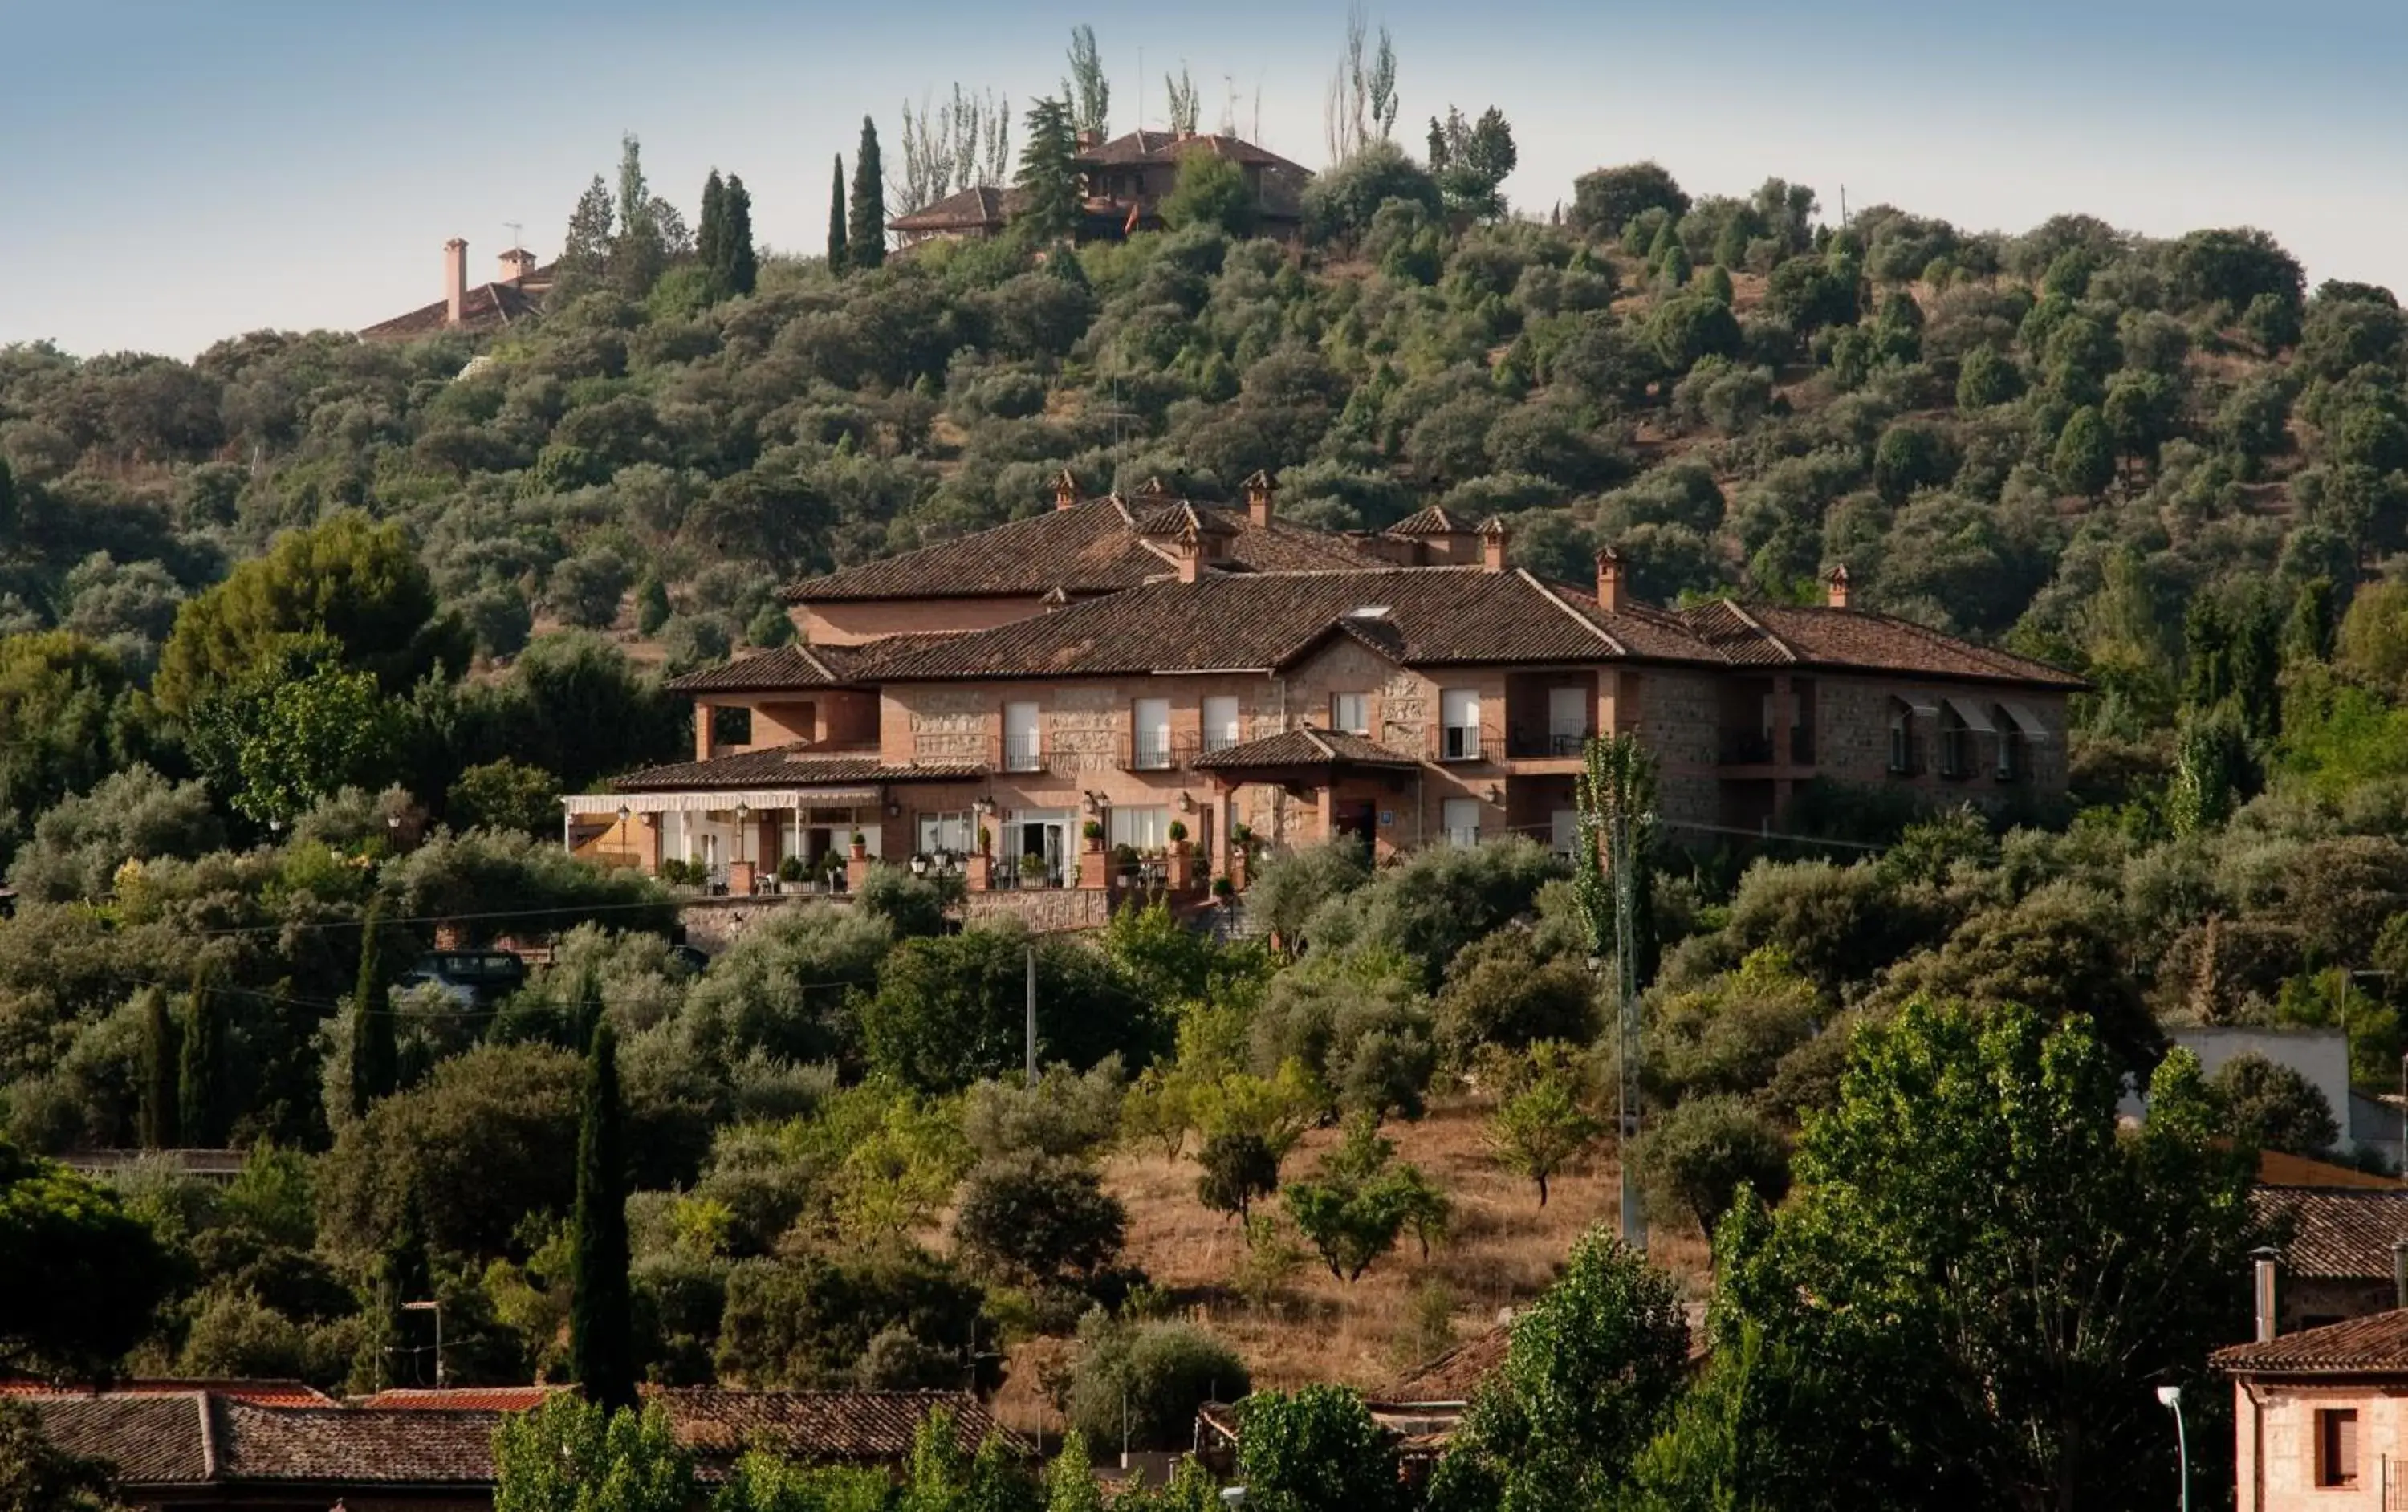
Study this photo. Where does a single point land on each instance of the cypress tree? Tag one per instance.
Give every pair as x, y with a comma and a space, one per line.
374, 1066
836, 255
741, 262
159, 1072
866, 232
601, 1333
198, 1109
710, 234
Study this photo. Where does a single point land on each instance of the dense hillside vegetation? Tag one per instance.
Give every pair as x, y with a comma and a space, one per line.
297, 641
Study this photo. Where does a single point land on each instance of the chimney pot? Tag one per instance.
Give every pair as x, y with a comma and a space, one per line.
516, 265
1493, 536
2264, 1261
455, 280
1609, 579
1835, 586
1066, 490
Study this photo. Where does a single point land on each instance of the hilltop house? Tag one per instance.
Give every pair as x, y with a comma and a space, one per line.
514, 294
1027, 699
1123, 183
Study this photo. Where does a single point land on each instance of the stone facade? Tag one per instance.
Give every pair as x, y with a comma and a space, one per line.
2280, 1464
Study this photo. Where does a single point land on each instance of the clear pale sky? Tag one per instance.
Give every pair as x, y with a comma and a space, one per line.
176, 171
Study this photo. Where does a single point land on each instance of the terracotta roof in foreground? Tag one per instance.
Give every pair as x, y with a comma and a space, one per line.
1432, 616
195, 1438
464, 1398
2336, 1234
1099, 545
2376, 1343
1306, 746
718, 1425
266, 1393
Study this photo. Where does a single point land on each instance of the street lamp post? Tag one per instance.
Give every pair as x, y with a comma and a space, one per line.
2171, 1396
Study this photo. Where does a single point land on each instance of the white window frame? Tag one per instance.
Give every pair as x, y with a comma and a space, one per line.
1024, 737
953, 830
1145, 829
1220, 722
1350, 714
1459, 737
1459, 820
1150, 734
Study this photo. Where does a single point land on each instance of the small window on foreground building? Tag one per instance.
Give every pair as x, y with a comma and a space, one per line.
2337, 1447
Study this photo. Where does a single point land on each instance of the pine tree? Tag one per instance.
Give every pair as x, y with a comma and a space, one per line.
865, 232
738, 261
1049, 172
837, 264
375, 1064
198, 1108
159, 1092
710, 237
601, 1342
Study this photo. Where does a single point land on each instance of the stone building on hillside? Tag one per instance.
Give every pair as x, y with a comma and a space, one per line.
1138, 690
1123, 183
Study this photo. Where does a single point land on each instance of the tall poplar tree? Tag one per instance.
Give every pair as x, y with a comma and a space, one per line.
160, 1095
739, 262
837, 253
601, 1331
198, 1082
374, 1060
866, 230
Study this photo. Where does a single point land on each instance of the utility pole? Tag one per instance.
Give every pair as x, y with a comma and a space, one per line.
1032, 1016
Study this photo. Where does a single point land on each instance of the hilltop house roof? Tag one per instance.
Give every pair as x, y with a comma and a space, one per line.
483, 306
1097, 546
1141, 147
983, 207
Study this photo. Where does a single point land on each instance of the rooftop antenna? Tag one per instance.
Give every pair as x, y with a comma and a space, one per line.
518, 229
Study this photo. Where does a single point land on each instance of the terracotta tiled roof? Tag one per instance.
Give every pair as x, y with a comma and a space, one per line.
1096, 546
1457, 1375
1168, 147
1305, 746
720, 1425
801, 666
466, 1398
2336, 1234
151, 1440
1785, 635
265, 1393
983, 206
2376, 1343
1417, 615
484, 306
788, 766
197, 1438
1432, 520
356, 1445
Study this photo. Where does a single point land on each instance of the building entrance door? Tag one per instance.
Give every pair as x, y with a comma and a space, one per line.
1043, 836
1359, 820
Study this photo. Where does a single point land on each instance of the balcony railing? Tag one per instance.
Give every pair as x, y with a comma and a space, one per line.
1459, 743
1221, 740
1755, 748
1527, 745
1466, 835
1022, 754
1150, 751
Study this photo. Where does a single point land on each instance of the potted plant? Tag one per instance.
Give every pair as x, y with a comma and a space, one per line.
1093, 832
1032, 871
860, 846
986, 841
1178, 832
792, 872
1224, 891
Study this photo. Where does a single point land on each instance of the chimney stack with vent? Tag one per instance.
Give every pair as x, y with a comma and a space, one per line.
1609, 579
516, 265
2400, 1273
455, 280
1066, 490
1835, 587
2264, 1261
1258, 490
1492, 544
1190, 547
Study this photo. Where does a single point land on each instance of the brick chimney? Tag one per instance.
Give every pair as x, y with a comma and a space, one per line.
516, 265
1492, 536
1835, 587
1066, 490
1258, 490
2262, 1262
1190, 547
1609, 579
455, 280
